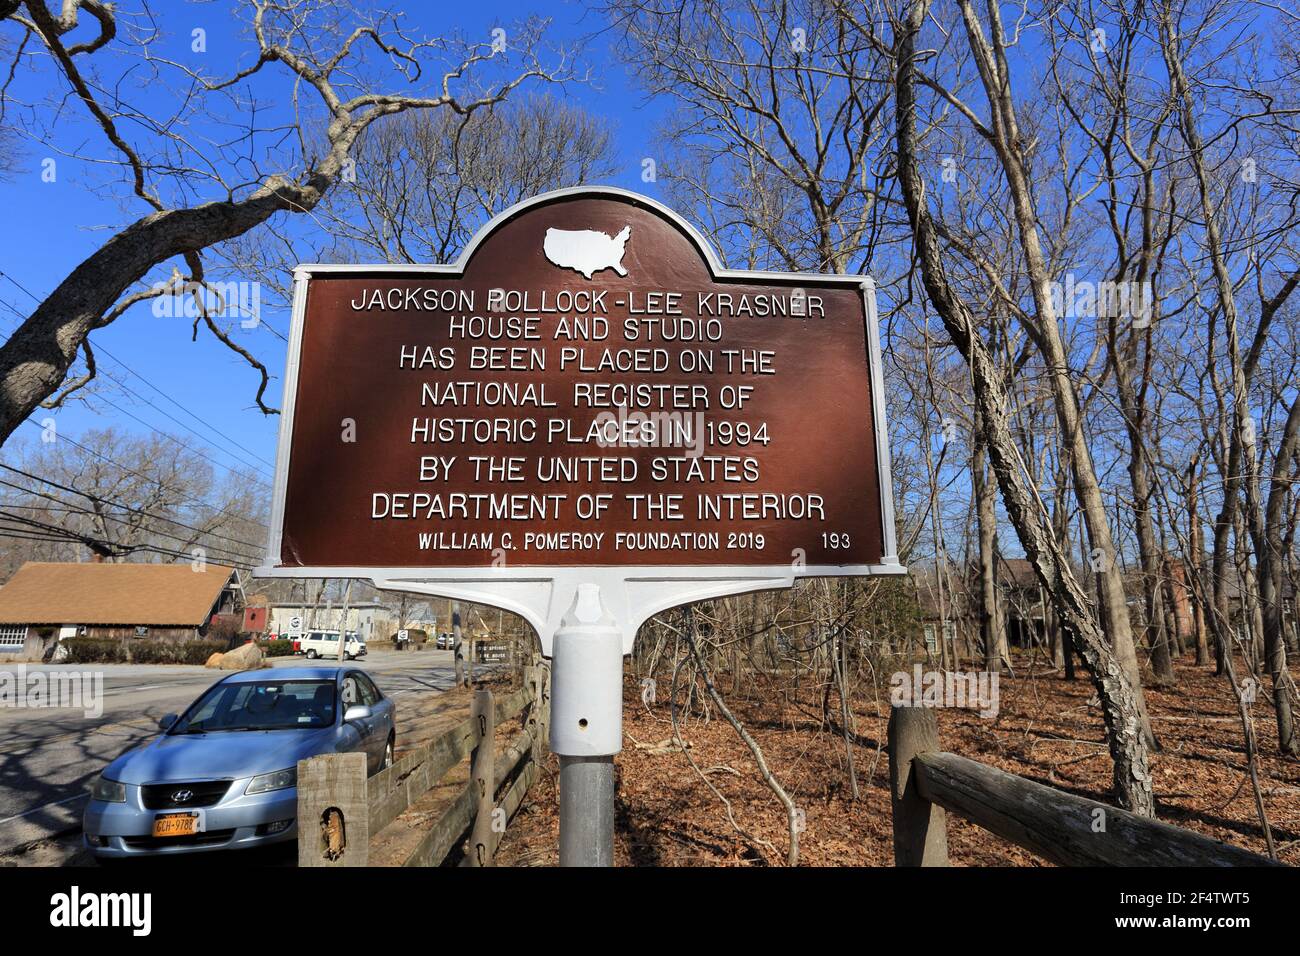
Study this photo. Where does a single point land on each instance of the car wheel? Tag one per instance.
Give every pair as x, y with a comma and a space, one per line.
312, 655
388, 755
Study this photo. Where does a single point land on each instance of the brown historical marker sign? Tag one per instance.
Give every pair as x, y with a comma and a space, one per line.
585, 388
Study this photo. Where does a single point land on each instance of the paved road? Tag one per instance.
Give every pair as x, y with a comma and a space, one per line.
50, 757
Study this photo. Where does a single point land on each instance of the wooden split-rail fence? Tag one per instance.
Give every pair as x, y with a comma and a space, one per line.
926, 784
341, 811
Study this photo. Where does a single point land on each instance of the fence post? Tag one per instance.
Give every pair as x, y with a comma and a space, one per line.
532, 680
483, 780
920, 827
333, 811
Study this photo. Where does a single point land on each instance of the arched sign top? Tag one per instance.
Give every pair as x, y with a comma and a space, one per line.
615, 197
607, 237
607, 203
584, 396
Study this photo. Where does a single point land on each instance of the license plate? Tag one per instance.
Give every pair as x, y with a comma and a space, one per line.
176, 824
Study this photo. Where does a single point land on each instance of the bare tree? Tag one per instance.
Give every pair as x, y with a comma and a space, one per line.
780, 122
424, 182
1243, 465
345, 71
1120, 698
117, 497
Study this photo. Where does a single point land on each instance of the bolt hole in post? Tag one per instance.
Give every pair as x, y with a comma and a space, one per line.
334, 839
583, 723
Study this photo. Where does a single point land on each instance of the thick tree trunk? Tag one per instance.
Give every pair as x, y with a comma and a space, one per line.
1005, 141
1242, 466
1148, 555
993, 628
36, 358
1271, 555
1122, 710
1061, 528
1196, 558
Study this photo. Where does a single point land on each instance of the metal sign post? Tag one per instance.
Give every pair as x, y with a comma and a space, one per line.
586, 420
587, 727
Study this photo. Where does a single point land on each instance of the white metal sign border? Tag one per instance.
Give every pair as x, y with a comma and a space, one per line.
542, 594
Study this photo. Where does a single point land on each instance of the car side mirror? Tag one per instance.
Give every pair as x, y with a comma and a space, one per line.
167, 721
356, 712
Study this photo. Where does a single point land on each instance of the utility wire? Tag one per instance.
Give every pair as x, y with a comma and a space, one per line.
101, 349
117, 504
91, 541
108, 517
189, 448
131, 471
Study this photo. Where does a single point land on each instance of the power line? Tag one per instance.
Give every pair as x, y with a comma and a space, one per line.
115, 504
94, 542
111, 503
154, 531
131, 471
43, 508
90, 541
23, 536
87, 540
4, 275
99, 349
173, 438
63, 534
63, 539
245, 463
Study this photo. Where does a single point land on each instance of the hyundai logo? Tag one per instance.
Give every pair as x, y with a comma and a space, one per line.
182, 796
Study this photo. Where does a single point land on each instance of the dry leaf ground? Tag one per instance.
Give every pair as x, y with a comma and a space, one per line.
1047, 730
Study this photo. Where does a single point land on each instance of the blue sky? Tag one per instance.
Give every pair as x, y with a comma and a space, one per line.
201, 387
65, 220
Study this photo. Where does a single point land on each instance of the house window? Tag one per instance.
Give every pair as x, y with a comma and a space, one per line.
14, 635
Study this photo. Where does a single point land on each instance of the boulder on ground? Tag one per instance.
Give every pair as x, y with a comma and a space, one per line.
246, 657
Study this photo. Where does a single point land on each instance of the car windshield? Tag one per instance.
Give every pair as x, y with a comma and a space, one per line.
261, 705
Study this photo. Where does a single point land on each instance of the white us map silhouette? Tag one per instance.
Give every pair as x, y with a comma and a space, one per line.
586, 250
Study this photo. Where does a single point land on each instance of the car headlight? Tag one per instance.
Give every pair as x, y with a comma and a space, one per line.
110, 791
279, 780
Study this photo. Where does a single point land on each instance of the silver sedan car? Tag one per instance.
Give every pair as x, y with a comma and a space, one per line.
223, 775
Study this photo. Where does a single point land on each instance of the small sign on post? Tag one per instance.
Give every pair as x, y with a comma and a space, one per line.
493, 652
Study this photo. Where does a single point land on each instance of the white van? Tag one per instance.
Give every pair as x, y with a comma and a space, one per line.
316, 644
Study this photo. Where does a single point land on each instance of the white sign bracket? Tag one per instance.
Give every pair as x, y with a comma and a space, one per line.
631, 596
